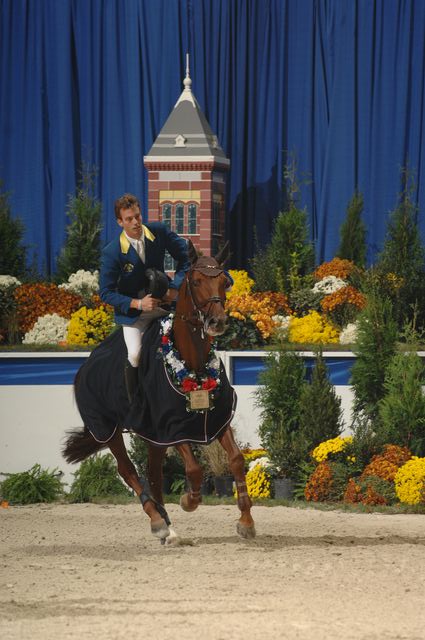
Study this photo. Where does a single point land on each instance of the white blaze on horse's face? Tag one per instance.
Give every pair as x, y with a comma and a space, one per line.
210, 296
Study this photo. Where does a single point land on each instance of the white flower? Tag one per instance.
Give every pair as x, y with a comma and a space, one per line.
281, 324
9, 281
167, 324
214, 363
330, 284
349, 334
82, 282
262, 462
175, 363
49, 329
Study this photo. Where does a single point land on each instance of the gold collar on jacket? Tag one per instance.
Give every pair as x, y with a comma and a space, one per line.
125, 243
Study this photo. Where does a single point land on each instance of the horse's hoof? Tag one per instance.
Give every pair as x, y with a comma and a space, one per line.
160, 529
246, 532
172, 539
192, 506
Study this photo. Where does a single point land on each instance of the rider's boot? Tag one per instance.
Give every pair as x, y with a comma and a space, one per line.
131, 376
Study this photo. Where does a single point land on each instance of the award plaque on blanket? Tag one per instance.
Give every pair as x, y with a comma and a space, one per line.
199, 400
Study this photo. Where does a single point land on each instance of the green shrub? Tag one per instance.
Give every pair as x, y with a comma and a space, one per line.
278, 396
12, 251
304, 300
240, 334
402, 409
365, 443
82, 246
97, 476
402, 257
353, 233
35, 485
320, 408
374, 348
290, 255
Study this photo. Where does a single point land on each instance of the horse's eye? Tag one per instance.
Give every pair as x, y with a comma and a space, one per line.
196, 282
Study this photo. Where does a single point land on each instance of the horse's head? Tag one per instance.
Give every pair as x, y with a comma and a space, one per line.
206, 283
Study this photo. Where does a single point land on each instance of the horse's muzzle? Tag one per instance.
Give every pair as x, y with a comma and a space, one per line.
215, 326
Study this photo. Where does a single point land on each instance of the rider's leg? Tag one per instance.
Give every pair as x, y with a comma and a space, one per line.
133, 341
133, 336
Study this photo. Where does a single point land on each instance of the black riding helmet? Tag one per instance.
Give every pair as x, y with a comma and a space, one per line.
157, 283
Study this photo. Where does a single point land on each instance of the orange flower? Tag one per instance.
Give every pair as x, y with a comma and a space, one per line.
38, 299
346, 295
319, 485
337, 267
260, 307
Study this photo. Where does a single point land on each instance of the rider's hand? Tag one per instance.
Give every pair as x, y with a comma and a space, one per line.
148, 303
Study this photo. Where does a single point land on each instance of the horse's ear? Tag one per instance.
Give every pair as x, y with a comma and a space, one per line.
193, 254
223, 255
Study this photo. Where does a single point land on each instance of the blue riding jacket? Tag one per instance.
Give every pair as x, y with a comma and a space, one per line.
122, 272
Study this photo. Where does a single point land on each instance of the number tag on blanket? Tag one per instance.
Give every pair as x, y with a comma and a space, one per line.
199, 400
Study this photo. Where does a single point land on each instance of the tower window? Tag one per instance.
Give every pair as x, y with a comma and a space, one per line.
215, 222
191, 219
166, 215
179, 218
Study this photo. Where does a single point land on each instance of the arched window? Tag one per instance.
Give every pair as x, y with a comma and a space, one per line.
179, 218
166, 215
191, 219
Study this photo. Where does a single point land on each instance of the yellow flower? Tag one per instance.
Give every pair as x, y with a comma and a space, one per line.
242, 283
334, 445
258, 482
89, 326
312, 328
410, 481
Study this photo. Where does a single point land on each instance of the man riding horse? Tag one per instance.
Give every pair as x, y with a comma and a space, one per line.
124, 263
184, 394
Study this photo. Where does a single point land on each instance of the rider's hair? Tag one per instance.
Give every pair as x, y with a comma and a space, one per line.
127, 201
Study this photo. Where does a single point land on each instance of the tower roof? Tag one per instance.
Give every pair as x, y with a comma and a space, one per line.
186, 135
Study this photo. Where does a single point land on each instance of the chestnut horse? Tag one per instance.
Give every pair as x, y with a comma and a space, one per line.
199, 317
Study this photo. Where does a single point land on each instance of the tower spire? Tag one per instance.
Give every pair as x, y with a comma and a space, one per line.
187, 82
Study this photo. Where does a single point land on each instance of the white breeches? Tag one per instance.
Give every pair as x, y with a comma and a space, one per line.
133, 334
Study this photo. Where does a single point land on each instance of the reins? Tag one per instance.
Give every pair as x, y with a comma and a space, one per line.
197, 317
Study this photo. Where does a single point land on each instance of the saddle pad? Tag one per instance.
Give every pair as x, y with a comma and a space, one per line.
158, 413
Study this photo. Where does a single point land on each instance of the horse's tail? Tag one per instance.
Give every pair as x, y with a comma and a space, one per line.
80, 444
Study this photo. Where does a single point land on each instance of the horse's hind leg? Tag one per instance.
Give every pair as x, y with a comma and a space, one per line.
245, 526
128, 472
156, 457
190, 501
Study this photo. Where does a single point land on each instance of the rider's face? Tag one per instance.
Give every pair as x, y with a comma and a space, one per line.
131, 222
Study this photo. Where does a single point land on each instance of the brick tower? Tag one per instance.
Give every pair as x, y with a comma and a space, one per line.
187, 176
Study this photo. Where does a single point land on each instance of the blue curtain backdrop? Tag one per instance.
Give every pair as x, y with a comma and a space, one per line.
340, 83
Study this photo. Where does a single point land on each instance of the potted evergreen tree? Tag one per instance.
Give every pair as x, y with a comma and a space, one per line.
279, 393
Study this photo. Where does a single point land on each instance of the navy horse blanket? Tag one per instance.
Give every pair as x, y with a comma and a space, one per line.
158, 412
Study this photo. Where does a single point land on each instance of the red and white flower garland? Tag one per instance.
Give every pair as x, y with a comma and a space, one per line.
185, 380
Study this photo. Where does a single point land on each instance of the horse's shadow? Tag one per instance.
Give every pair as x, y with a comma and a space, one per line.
265, 542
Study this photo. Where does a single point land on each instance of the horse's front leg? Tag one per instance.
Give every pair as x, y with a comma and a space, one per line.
190, 501
245, 526
127, 471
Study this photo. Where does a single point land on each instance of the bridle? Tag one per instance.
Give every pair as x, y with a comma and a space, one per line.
200, 315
